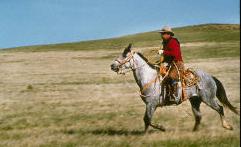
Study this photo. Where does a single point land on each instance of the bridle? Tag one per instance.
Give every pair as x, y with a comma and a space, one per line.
124, 61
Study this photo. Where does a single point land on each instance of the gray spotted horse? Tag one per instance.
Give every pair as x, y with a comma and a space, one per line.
146, 74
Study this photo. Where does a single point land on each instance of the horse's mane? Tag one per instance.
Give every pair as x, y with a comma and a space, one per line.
145, 59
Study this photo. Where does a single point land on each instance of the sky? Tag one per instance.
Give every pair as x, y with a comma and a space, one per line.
36, 22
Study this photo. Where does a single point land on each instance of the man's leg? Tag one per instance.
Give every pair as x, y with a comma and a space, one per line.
176, 84
177, 91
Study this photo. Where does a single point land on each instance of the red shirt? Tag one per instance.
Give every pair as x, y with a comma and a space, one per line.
172, 48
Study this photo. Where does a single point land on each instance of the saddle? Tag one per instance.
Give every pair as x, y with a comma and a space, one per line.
189, 78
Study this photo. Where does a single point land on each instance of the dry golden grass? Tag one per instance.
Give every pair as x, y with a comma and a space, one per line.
74, 99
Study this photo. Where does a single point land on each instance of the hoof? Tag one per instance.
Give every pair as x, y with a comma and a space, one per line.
228, 127
161, 128
194, 129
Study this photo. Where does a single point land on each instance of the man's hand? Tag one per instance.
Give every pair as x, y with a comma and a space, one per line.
161, 59
160, 51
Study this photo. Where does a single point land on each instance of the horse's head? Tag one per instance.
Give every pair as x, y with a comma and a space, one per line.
123, 62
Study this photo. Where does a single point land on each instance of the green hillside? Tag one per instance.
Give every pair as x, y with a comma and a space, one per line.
226, 34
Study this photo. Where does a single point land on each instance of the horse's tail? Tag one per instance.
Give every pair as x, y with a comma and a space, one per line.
222, 97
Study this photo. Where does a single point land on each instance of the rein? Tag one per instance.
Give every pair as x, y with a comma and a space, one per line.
147, 85
128, 59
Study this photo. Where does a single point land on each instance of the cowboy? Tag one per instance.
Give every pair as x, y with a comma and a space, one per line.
171, 55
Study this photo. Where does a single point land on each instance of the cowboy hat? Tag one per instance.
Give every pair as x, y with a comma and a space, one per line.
167, 29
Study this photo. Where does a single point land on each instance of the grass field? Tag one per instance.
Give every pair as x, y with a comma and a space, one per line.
63, 95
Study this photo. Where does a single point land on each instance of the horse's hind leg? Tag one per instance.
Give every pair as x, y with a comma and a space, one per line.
195, 102
225, 124
214, 105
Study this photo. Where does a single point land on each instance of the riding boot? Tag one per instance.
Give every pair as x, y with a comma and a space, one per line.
178, 92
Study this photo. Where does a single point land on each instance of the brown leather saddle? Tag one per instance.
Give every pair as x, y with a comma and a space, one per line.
189, 78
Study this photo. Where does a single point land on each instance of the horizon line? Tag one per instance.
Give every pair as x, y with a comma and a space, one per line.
115, 37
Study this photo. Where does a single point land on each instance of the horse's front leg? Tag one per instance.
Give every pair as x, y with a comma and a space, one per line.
150, 109
148, 116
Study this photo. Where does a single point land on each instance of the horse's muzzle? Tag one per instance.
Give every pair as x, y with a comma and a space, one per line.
114, 68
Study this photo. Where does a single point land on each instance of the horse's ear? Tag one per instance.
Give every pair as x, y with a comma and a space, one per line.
129, 46
127, 49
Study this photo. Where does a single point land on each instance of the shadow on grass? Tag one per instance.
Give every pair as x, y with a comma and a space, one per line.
108, 131
112, 132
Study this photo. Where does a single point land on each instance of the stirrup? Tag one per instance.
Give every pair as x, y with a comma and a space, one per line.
179, 93
177, 99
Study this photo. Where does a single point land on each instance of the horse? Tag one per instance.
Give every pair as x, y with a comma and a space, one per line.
146, 74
